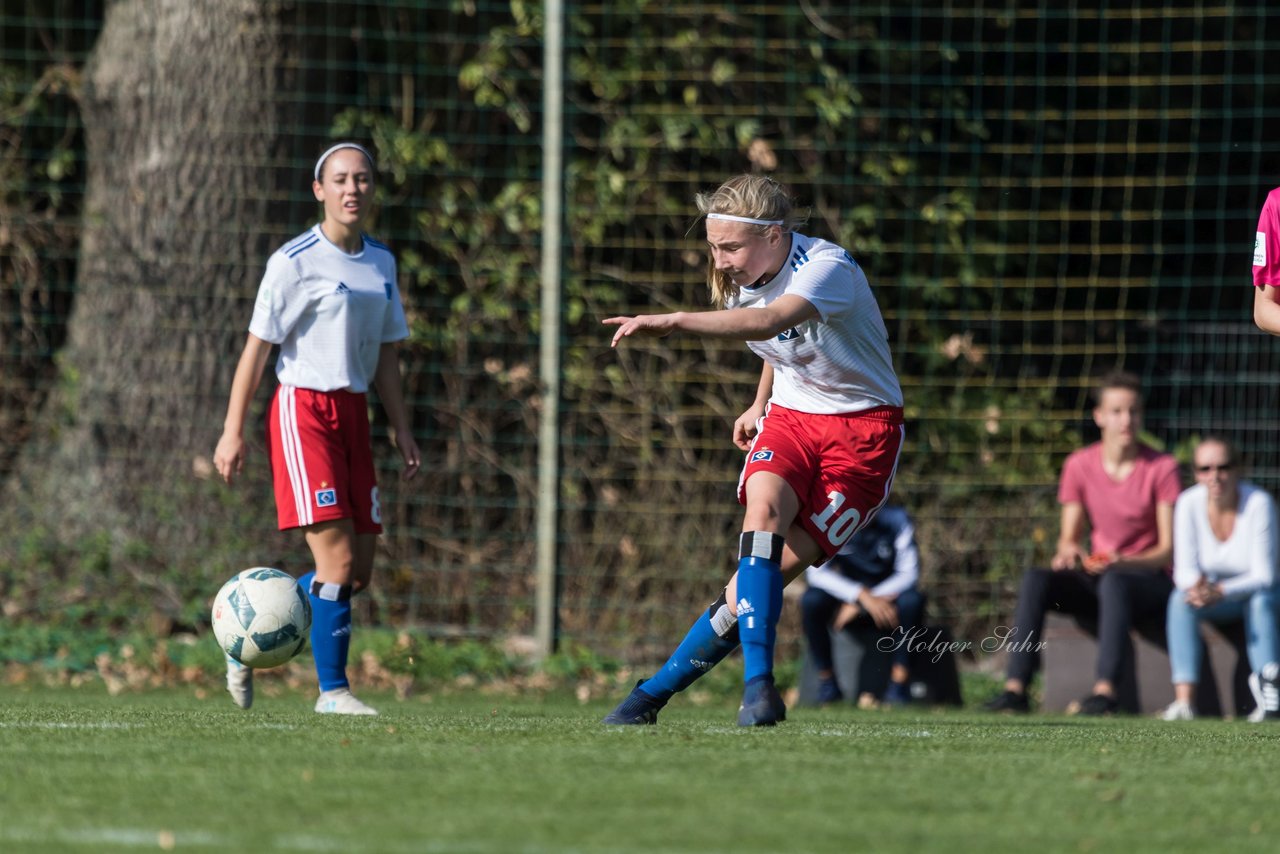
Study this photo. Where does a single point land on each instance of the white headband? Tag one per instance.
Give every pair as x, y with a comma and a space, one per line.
751, 220
339, 147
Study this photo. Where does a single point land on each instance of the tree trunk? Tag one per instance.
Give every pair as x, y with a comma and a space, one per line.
182, 122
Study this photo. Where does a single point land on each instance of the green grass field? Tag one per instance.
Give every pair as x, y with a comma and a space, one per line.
83, 771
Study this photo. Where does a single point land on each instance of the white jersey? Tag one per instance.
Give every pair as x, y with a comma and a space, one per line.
330, 312
1245, 562
839, 361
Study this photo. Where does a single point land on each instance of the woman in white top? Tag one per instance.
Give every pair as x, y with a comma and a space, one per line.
1224, 565
329, 299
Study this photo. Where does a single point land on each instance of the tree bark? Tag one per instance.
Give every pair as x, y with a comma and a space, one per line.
182, 124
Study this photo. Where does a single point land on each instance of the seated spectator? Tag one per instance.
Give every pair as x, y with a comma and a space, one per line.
872, 580
1224, 568
1125, 490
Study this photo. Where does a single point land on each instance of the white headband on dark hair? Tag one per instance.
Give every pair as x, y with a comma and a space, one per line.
751, 220
339, 147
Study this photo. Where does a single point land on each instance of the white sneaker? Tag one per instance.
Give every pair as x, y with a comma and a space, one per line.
1259, 713
1266, 693
340, 701
239, 683
1178, 711
1269, 682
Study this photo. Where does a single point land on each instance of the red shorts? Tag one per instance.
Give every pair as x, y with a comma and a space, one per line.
840, 466
322, 460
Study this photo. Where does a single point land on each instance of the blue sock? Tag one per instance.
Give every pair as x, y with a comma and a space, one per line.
330, 630
711, 637
759, 601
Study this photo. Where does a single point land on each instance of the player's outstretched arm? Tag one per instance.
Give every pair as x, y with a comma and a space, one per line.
228, 457
652, 325
739, 324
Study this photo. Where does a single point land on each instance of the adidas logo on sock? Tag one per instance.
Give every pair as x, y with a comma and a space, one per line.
341, 631
703, 666
744, 607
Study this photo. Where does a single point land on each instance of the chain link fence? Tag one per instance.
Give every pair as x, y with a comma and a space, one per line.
1038, 193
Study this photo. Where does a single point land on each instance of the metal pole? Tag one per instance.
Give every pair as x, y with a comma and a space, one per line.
549, 361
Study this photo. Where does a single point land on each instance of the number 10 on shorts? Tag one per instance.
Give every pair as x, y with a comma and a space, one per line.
844, 525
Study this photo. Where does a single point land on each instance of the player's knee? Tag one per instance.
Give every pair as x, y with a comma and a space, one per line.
763, 516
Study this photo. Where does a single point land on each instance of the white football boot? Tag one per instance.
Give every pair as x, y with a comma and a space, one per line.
340, 701
239, 683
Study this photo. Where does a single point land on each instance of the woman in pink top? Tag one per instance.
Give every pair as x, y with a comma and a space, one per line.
1126, 492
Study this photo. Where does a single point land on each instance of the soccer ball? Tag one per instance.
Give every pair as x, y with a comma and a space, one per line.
261, 617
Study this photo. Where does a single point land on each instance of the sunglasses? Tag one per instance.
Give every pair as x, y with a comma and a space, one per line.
1207, 469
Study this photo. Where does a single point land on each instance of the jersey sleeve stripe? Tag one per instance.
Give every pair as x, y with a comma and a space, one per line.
301, 238
293, 253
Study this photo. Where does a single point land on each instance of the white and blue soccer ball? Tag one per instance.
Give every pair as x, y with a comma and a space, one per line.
261, 617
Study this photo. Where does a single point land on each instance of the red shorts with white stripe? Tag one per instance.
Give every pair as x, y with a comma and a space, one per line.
840, 466
322, 460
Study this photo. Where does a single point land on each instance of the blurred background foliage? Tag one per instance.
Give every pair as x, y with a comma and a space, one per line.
1032, 209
